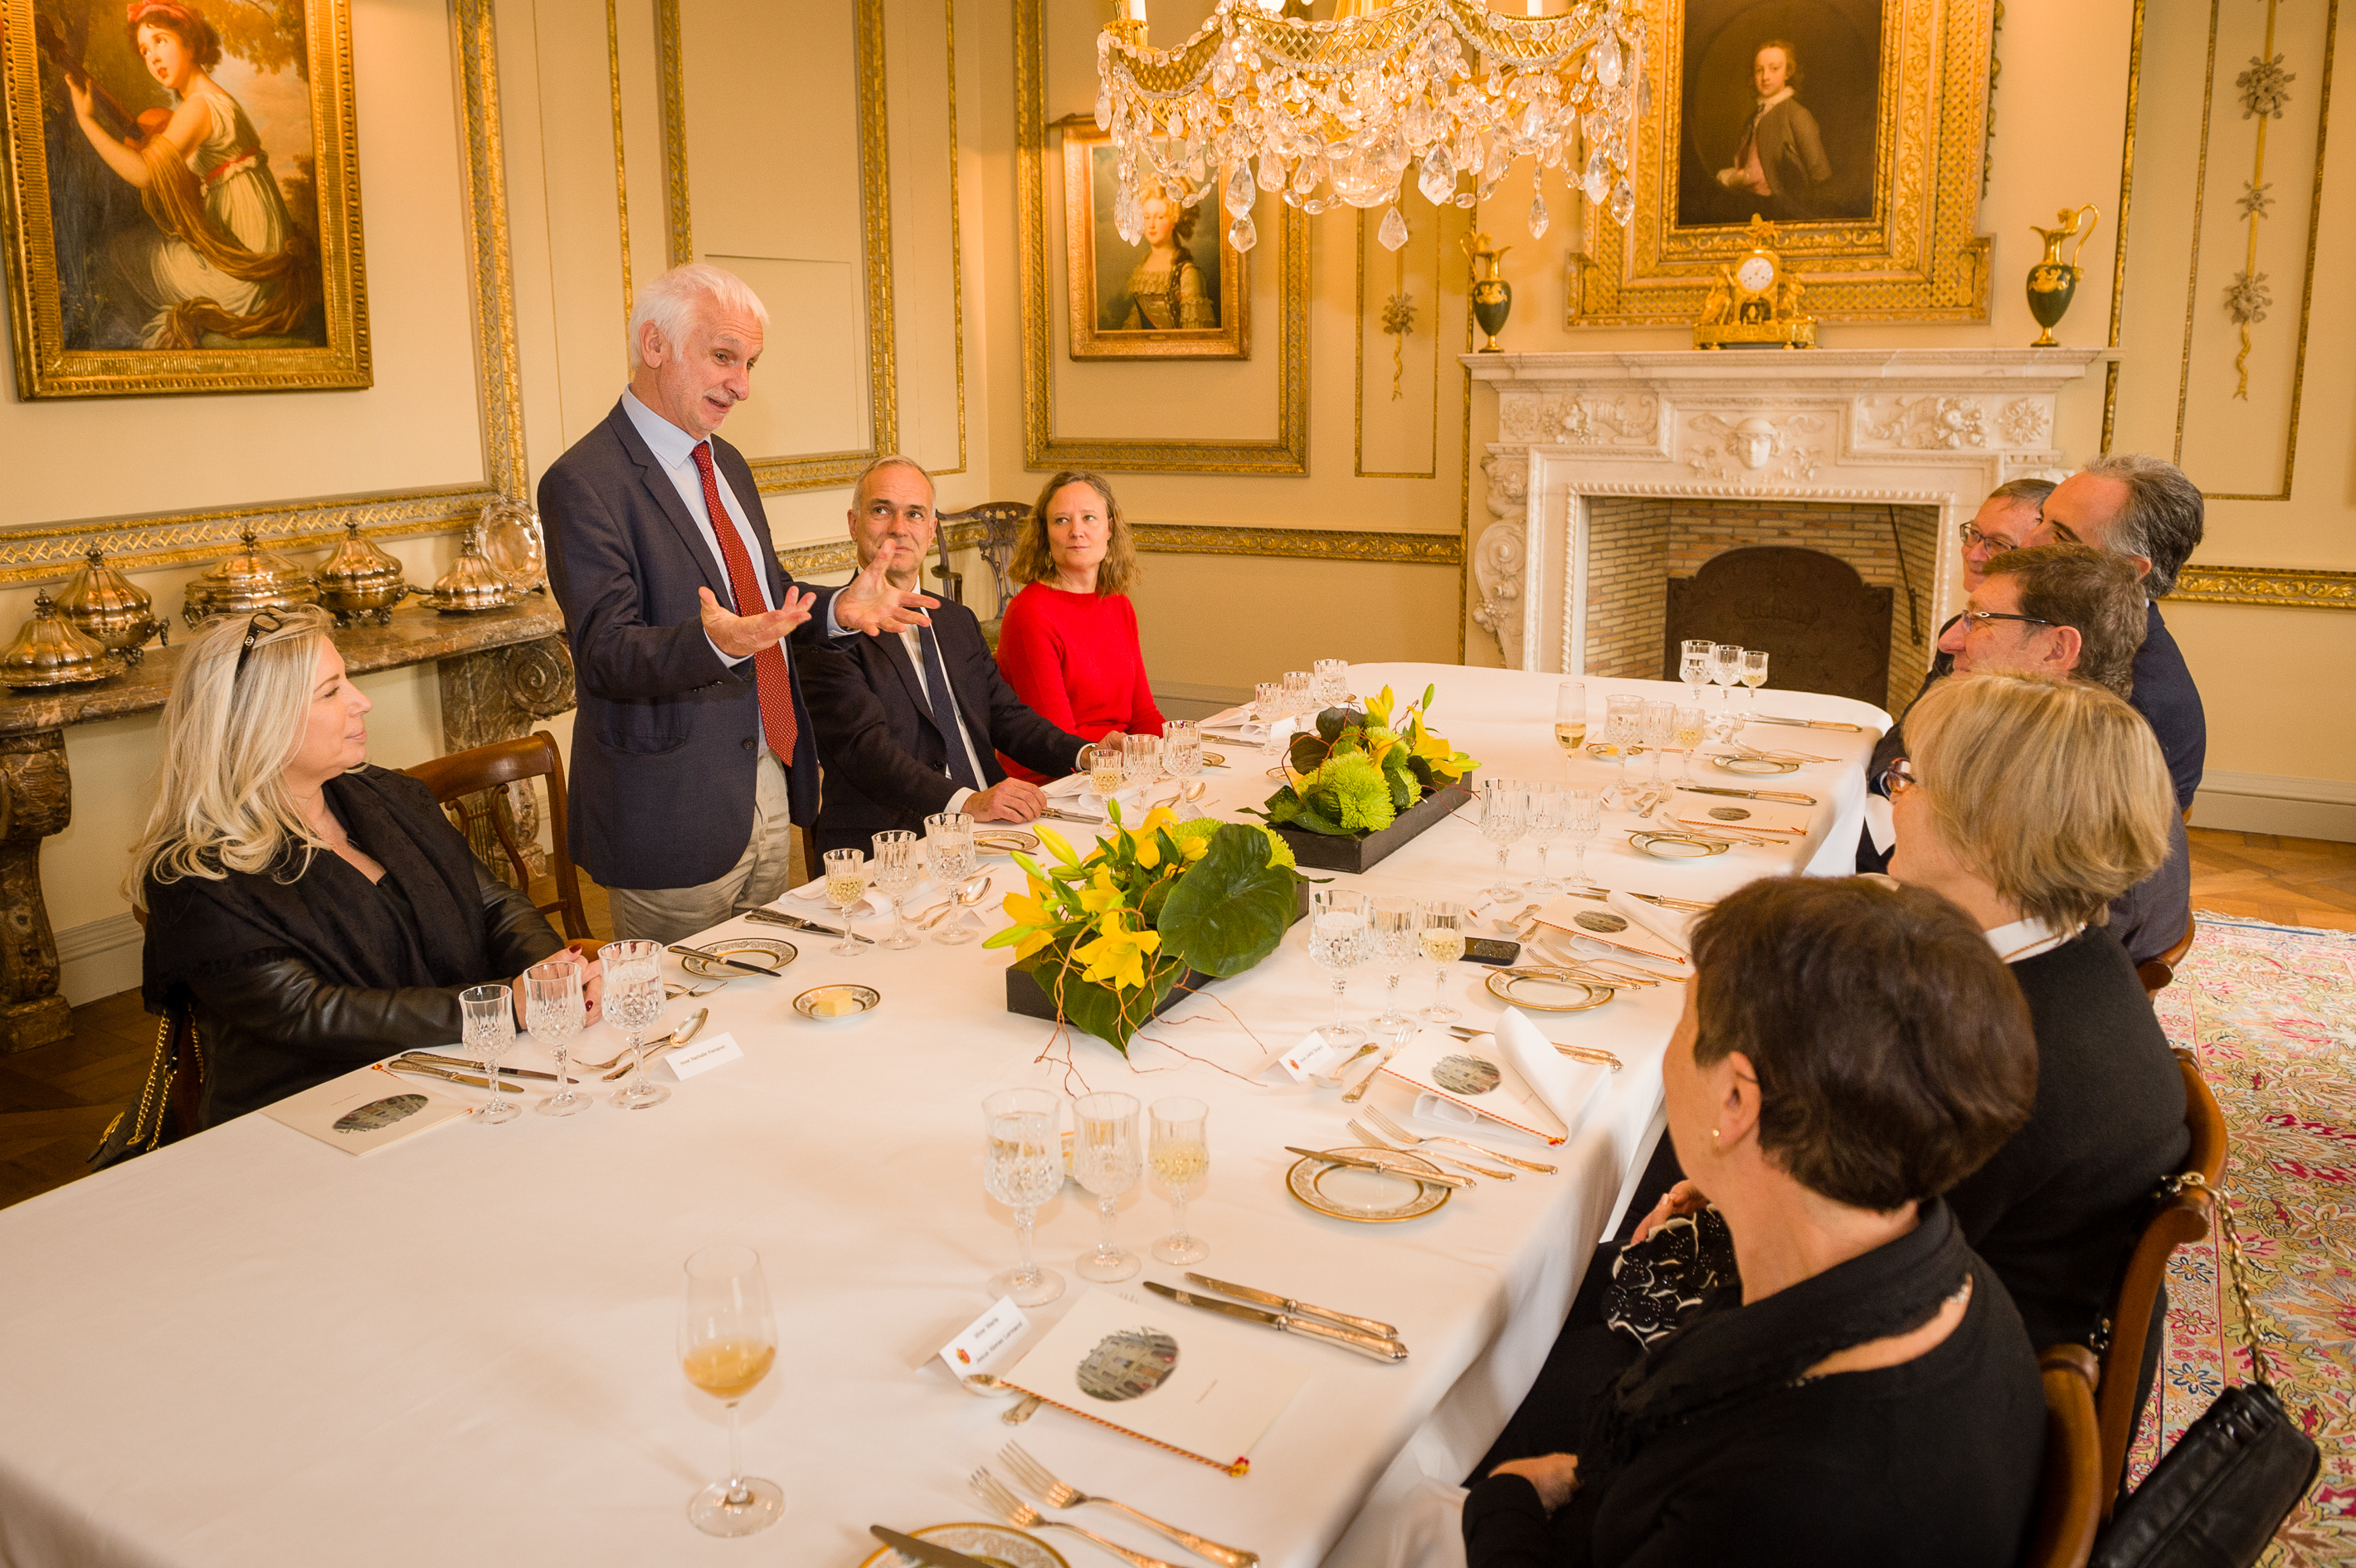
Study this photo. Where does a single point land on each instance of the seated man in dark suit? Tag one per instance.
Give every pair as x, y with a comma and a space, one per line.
2145, 509
898, 748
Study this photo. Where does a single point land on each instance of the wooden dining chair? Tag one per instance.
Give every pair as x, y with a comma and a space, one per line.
2183, 1215
462, 782
2156, 973
2069, 1497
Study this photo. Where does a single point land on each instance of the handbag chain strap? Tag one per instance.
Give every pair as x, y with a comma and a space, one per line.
2236, 1267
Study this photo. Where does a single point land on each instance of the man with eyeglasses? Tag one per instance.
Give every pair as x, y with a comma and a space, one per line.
2144, 510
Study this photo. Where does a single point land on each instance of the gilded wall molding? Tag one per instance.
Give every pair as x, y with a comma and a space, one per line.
1300, 543
49, 552
1288, 454
674, 130
2266, 585
957, 235
2119, 241
621, 163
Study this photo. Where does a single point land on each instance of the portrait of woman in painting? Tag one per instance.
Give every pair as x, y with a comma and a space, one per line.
1176, 291
1164, 291
1779, 110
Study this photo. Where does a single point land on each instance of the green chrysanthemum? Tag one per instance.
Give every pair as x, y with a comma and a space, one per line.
1183, 833
1361, 793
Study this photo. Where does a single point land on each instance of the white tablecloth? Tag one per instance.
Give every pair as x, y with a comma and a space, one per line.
248, 1348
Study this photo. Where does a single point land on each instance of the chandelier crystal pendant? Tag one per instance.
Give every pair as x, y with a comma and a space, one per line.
1334, 114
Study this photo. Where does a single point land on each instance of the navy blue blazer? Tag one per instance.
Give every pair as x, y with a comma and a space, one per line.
665, 742
2165, 695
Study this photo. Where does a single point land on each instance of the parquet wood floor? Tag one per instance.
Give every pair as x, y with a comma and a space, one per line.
56, 1101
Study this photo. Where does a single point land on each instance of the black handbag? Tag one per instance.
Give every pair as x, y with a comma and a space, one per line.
155, 1122
2216, 1498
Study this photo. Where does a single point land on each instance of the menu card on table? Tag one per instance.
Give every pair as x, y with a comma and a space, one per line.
1601, 923
1773, 818
363, 1112
1172, 1375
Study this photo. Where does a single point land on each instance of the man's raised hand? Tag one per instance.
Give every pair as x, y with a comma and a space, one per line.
741, 637
869, 603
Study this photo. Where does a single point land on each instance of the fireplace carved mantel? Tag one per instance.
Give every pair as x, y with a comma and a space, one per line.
1937, 428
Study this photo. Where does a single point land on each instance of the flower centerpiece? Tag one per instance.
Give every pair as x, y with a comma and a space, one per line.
1108, 937
1361, 771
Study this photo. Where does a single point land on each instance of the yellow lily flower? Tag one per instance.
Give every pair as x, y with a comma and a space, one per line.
1117, 956
1055, 842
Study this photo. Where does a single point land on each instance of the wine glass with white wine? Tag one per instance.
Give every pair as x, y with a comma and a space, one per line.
1754, 673
1571, 717
1443, 944
728, 1343
846, 885
1179, 1156
1690, 722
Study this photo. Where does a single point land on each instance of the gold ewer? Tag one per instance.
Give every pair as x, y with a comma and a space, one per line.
1492, 296
2052, 281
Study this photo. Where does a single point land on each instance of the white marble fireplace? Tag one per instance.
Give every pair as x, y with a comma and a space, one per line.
1933, 428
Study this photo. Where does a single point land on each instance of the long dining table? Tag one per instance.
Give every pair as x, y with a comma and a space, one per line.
250, 1348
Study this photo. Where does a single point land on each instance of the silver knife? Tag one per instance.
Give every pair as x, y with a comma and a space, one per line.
1793, 796
1803, 724
772, 918
1435, 1178
425, 1071
1380, 1346
428, 1056
908, 1546
724, 959
1269, 1298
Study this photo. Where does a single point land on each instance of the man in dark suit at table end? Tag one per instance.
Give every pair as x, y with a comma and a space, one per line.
693, 752
898, 747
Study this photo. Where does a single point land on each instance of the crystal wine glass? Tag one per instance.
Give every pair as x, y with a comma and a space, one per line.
487, 1019
1582, 819
1571, 717
1268, 707
1545, 826
1660, 720
1693, 666
1397, 924
1332, 678
728, 1343
1022, 1166
1726, 670
1624, 727
554, 1011
1181, 748
1105, 1159
897, 862
948, 857
1108, 766
1140, 759
846, 885
1691, 727
1300, 693
634, 1000
1338, 938
1504, 817
1443, 944
1180, 1158
1754, 673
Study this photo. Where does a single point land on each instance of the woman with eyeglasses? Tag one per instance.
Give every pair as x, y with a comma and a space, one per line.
318, 914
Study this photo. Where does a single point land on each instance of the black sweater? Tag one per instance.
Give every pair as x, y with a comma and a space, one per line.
2056, 1211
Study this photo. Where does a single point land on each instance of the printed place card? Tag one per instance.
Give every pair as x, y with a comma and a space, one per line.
702, 1056
986, 1338
1314, 1055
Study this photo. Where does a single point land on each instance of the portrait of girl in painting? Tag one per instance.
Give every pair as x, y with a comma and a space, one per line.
1165, 289
181, 189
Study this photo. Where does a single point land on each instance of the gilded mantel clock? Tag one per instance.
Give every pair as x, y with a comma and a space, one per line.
1755, 302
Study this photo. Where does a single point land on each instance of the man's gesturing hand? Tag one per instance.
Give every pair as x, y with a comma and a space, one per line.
869, 603
741, 637
1008, 801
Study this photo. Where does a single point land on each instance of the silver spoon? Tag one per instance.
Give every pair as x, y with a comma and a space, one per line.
967, 895
1191, 791
679, 1036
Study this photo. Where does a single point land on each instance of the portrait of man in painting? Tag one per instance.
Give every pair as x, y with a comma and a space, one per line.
1172, 293
1780, 104
180, 157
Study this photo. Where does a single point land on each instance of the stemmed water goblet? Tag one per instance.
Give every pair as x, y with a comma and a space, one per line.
1338, 938
1571, 717
1181, 748
1396, 927
1726, 670
1545, 826
486, 1021
1691, 724
896, 864
1268, 707
728, 1343
1443, 940
1106, 1160
846, 885
1582, 819
1693, 667
948, 857
1180, 1158
634, 1000
554, 1011
1504, 817
1022, 1166
1660, 720
1332, 678
1754, 673
1300, 693
1623, 725
1140, 759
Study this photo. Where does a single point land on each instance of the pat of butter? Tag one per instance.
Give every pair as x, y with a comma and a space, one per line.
835, 1006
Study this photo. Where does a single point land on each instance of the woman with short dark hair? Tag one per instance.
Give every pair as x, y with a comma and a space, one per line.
1848, 1051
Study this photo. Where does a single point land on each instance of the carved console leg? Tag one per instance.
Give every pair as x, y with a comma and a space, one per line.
499, 694
35, 800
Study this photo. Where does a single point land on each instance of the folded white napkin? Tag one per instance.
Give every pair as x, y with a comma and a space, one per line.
1244, 725
1085, 803
1672, 926
1567, 1087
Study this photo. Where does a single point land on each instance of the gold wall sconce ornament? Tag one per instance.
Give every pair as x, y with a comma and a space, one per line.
49, 652
244, 583
2052, 281
1493, 297
359, 582
1755, 301
110, 606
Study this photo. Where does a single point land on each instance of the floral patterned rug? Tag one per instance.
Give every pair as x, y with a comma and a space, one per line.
2271, 1013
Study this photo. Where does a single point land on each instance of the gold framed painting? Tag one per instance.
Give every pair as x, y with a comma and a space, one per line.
1857, 126
182, 198
1178, 294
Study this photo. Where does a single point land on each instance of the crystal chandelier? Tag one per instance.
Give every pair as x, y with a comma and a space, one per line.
1332, 113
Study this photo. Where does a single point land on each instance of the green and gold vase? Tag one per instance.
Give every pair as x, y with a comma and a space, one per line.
1493, 297
2052, 281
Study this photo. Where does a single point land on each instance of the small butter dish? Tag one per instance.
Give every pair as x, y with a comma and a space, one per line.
838, 1003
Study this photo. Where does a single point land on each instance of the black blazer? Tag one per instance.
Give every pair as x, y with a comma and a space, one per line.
2165, 695
885, 761
664, 746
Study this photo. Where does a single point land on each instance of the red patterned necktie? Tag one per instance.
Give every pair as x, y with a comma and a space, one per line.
772, 683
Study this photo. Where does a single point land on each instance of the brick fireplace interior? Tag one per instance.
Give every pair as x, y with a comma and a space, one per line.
1636, 543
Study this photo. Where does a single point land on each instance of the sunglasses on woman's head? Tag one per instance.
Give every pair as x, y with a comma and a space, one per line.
263, 624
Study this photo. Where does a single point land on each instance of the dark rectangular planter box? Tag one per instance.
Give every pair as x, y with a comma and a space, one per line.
1319, 852
1028, 997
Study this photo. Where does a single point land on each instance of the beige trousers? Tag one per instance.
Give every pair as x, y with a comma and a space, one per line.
765, 871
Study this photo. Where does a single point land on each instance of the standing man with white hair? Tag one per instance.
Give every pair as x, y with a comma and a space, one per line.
692, 752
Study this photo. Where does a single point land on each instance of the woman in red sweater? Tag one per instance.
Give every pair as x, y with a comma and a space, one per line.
1068, 644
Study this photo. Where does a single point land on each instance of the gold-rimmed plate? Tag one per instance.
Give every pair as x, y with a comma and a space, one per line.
1374, 1198
838, 1003
993, 1543
1755, 766
1547, 992
767, 951
1005, 841
1678, 846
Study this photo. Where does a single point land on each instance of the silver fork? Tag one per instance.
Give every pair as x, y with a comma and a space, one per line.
1022, 1516
1028, 1471
1401, 1135
1377, 1141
